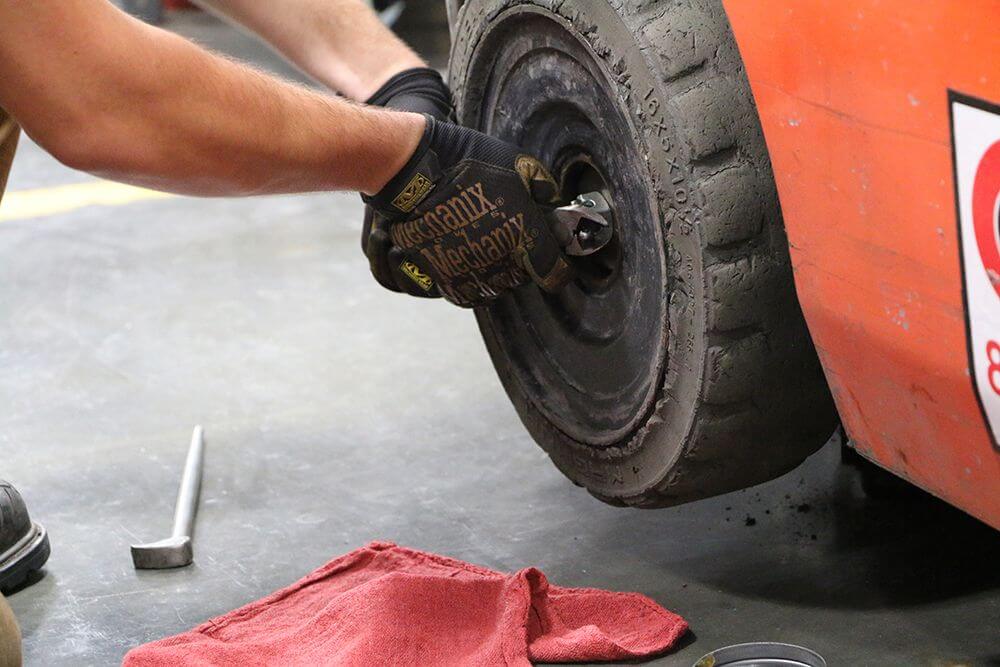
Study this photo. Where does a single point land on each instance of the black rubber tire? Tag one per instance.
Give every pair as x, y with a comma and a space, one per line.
740, 396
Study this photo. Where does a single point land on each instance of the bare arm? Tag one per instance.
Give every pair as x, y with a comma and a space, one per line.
108, 94
340, 43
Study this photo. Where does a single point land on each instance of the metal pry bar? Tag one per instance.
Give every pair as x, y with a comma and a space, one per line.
176, 551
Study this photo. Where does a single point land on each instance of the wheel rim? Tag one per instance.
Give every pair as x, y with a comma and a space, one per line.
589, 358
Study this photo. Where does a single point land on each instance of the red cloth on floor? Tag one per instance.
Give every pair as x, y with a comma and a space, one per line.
384, 604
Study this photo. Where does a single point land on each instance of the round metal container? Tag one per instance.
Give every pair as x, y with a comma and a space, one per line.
762, 654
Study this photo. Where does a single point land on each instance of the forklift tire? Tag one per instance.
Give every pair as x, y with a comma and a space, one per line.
677, 365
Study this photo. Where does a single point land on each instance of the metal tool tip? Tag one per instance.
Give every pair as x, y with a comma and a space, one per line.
168, 553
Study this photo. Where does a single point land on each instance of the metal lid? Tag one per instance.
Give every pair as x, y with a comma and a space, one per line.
762, 654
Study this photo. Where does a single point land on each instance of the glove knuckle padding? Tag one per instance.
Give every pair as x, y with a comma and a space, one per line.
464, 215
468, 236
537, 179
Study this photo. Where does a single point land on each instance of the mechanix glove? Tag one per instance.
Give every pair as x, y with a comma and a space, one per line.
419, 90
467, 218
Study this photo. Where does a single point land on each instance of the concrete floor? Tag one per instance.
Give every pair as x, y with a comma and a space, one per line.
337, 413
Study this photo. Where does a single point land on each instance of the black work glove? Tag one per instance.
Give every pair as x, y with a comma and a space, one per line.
420, 90
467, 219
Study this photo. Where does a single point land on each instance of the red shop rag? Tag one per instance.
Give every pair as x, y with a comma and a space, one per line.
385, 604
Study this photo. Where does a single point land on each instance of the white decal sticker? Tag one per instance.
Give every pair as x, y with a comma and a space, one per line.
975, 137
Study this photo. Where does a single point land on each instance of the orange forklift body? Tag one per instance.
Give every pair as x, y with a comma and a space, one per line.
855, 101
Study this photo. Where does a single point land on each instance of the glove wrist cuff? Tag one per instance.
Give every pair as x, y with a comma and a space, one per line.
418, 89
412, 183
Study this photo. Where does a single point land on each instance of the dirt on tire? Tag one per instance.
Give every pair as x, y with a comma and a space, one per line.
740, 395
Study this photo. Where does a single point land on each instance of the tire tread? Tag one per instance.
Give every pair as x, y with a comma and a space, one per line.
760, 403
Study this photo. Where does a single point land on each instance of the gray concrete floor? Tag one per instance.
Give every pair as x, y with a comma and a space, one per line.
337, 413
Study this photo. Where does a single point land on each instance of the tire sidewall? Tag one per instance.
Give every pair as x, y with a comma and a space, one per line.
644, 458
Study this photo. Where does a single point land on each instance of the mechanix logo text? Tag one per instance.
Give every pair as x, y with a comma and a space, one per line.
455, 213
471, 245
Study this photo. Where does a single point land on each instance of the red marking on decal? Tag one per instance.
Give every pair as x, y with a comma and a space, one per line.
985, 190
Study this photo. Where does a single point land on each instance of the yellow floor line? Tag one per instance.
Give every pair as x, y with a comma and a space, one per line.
41, 202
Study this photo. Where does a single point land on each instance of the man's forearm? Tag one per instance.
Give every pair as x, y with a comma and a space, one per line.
340, 43
111, 95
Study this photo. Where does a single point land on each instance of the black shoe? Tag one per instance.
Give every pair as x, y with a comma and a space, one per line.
24, 546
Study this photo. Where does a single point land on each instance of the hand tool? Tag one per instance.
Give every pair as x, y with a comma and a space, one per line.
175, 551
584, 226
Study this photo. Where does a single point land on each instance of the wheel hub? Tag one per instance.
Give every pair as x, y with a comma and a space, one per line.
590, 357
